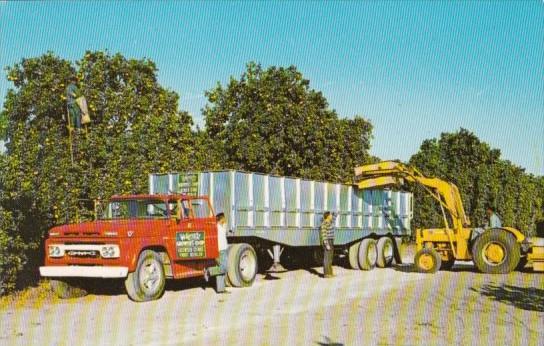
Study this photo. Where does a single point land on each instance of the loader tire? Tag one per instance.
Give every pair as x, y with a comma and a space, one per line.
386, 252
427, 260
496, 252
242, 265
147, 282
367, 254
353, 256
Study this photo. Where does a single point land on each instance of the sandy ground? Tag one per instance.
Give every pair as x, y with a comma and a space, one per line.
391, 306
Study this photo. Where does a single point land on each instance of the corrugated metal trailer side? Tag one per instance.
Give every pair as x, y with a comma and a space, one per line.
288, 211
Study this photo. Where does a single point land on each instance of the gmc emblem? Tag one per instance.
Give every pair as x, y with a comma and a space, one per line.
82, 253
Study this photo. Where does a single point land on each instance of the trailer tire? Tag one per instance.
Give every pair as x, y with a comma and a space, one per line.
496, 252
386, 252
147, 282
353, 256
242, 265
367, 254
427, 260
67, 288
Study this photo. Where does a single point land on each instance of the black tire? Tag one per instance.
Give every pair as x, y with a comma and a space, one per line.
447, 265
427, 260
502, 242
386, 252
242, 265
522, 263
147, 282
317, 257
367, 254
353, 256
67, 288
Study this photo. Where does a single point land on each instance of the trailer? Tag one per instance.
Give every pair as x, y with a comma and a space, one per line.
276, 219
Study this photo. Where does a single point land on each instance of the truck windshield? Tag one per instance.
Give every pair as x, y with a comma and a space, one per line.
135, 209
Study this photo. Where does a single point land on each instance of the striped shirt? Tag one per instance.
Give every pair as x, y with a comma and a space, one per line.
326, 231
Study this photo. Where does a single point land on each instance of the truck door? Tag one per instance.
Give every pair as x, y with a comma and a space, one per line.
205, 220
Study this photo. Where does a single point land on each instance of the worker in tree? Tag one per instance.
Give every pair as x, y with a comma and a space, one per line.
223, 246
74, 113
494, 220
326, 232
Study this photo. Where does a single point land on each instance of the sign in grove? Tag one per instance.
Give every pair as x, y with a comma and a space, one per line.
190, 244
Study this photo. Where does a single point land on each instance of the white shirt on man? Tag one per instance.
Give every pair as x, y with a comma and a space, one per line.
222, 236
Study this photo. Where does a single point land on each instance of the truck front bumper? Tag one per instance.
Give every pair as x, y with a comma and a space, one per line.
84, 271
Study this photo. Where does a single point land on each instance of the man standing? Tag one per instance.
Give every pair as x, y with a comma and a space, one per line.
326, 232
494, 220
74, 113
223, 246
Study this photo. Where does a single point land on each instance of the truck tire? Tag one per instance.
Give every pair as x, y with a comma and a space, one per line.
147, 282
427, 260
367, 254
496, 252
67, 288
386, 252
353, 256
242, 265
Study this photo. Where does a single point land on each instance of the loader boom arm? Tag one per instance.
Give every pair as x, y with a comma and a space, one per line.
388, 173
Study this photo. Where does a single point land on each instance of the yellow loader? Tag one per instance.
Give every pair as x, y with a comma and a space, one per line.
496, 250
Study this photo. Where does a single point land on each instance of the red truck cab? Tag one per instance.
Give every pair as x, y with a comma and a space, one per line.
144, 239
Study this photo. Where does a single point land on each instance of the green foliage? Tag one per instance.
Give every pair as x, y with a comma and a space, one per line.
136, 129
12, 256
483, 180
271, 121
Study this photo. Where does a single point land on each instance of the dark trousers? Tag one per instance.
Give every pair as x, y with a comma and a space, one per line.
327, 260
220, 279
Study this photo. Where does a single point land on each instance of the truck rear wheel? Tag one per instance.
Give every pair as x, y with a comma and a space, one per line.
496, 252
385, 252
67, 288
242, 265
367, 254
353, 256
147, 282
427, 260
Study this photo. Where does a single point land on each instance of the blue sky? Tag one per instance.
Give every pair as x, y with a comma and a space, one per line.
415, 69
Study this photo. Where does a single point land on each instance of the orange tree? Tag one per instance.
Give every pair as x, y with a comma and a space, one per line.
136, 129
271, 121
483, 178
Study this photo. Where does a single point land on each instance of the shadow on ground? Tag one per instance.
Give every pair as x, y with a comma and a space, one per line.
328, 342
526, 298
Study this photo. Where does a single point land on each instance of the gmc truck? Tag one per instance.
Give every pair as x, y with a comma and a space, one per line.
143, 239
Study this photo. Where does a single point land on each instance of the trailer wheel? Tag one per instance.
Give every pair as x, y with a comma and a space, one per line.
147, 282
385, 252
496, 252
242, 265
353, 255
427, 260
67, 288
367, 254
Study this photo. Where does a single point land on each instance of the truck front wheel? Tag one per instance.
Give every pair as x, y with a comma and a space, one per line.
67, 288
241, 265
148, 280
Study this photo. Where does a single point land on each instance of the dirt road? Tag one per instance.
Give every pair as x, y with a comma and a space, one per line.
381, 307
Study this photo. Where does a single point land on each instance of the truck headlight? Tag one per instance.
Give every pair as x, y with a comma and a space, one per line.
109, 251
55, 251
